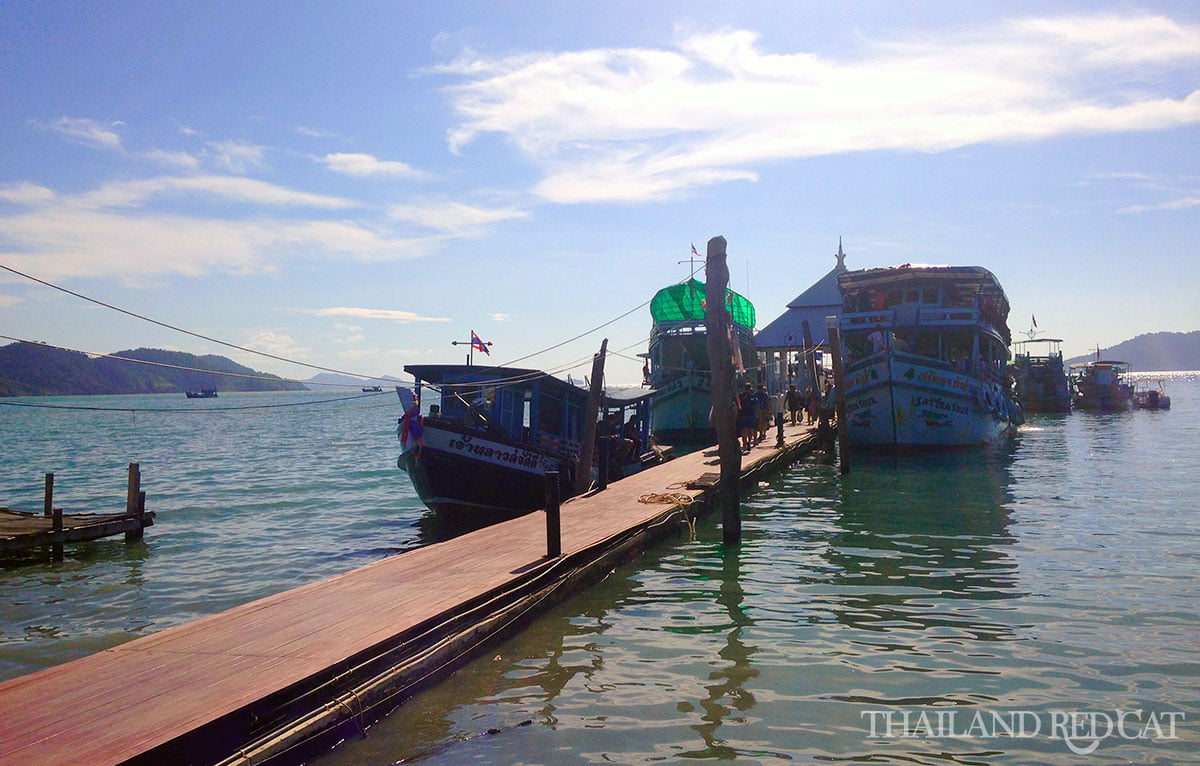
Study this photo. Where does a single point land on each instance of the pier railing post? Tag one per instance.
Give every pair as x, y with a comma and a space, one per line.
839, 383
553, 519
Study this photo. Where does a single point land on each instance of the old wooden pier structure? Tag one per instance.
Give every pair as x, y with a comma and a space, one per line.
274, 679
24, 531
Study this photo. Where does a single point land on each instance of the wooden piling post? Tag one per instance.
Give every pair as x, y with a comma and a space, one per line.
810, 358
718, 325
583, 473
603, 456
137, 534
553, 519
839, 382
779, 440
132, 489
48, 507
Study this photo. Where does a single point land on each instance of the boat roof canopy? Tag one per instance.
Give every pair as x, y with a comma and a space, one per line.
965, 282
685, 301
483, 375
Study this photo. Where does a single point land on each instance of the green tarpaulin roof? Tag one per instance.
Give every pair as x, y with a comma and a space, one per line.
686, 301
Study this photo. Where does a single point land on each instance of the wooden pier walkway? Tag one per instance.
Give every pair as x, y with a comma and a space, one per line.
269, 678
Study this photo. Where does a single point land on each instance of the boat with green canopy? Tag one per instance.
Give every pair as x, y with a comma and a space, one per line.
678, 368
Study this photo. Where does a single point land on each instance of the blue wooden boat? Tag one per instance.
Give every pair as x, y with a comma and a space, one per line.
678, 361
1041, 379
926, 357
478, 440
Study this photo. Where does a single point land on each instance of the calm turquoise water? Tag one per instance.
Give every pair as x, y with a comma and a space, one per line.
1053, 575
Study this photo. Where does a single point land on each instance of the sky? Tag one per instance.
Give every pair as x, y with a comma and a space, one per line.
357, 188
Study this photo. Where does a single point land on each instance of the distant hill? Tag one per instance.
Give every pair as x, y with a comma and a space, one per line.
29, 369
1154, 351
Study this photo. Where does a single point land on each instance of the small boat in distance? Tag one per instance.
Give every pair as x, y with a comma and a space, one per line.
1102, 386
678, 361
926, 357
1042, 384
1150, 395
201, 393
371, 389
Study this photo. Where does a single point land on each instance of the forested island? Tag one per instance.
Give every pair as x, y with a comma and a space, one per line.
1156, 351
31, 369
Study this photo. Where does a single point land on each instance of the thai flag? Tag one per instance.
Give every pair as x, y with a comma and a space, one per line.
478, 344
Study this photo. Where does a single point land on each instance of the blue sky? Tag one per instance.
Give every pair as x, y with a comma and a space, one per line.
356, 188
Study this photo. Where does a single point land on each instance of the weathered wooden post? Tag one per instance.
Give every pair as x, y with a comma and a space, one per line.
779, 441
132, 489
137, 534
553, 519
810, 359
583, 473
839, 382
48, 507
602, 457
718, 325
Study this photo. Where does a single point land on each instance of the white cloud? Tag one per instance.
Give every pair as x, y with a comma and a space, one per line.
235, 188
394, 315
453, 217
366, 165
26, 194
638, 124
1178, 204
88, 132
8, 300
171, 159
276, 344
500, 317
236, 157
69, 241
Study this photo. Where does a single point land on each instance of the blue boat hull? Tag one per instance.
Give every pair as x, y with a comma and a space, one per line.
901, 401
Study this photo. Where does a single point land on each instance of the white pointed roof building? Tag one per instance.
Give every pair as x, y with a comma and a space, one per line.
822, 299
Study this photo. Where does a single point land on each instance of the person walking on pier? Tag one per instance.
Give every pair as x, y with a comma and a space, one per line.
793, 403
747, 416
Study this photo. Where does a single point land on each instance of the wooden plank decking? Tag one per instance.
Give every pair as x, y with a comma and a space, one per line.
239, 675
21, 530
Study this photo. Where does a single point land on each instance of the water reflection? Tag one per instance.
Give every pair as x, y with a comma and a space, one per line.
914, 536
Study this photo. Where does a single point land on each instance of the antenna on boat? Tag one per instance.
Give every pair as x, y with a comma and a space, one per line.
691, 261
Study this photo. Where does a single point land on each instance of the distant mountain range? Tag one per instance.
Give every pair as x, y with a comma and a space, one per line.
1153, 351
30, 369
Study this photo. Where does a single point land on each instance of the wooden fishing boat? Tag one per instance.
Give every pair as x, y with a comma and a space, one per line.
926, 357
1101, 385
201, 393
678, 366
1041, 379
478, 441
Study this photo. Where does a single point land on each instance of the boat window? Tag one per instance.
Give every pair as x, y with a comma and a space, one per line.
550, 414
929, 295
911, 296
894, 297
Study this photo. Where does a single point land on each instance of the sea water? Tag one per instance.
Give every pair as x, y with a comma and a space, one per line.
1032, 602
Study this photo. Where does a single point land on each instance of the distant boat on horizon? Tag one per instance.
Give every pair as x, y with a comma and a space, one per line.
201, 393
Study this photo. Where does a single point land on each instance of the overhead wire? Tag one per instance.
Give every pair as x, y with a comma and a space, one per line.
285, 359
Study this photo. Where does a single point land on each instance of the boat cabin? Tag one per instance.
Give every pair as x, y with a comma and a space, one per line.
520, 406
956, 315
